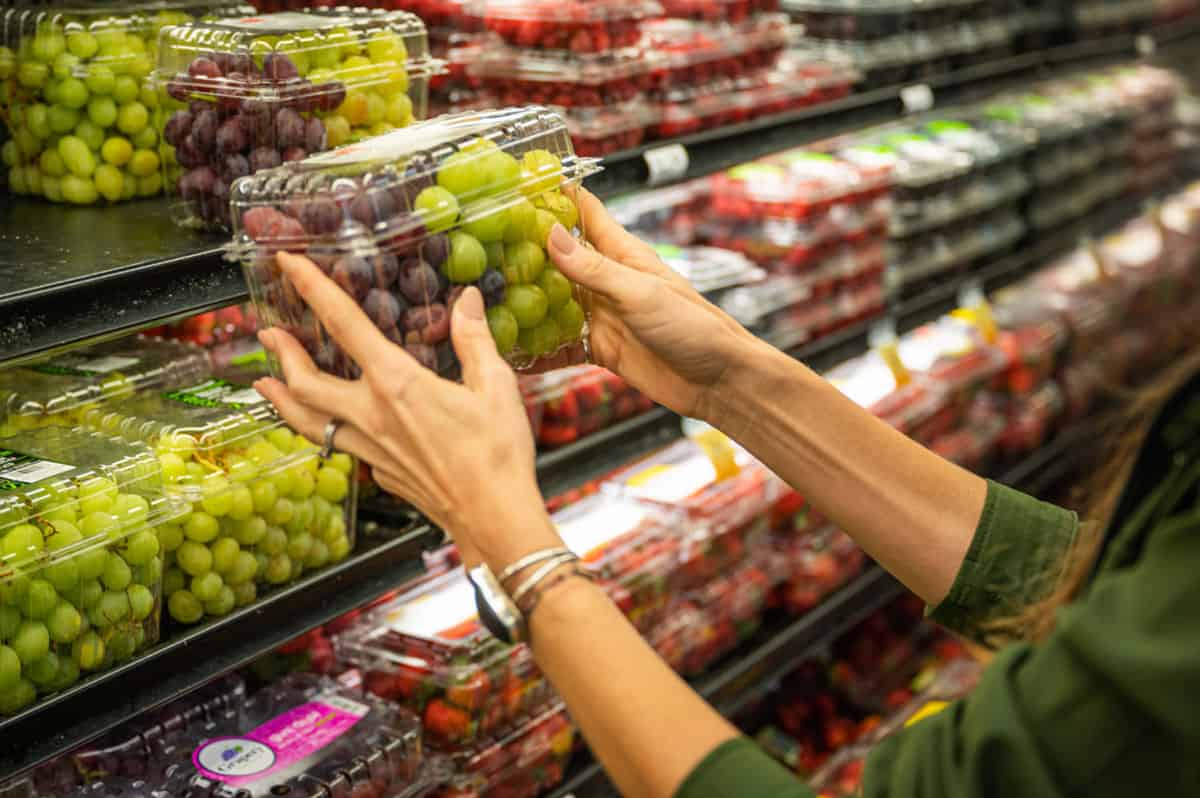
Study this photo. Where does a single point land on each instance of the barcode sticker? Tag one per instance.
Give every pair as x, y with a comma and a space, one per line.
217, 393
18, 469
666, 164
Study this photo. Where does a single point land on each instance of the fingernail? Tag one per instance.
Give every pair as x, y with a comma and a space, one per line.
562, 241
470, 304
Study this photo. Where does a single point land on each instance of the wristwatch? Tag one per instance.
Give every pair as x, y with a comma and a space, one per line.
497, 612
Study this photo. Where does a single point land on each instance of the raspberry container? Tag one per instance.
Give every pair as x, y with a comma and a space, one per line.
522, 762
572, 403
724, 494
919, 408
263, 508
240, 96
565, 79
690, 55
82, 573
678, 638
815, 565
427, 651
597, 132
59, 390
632, 548
734, 602
715, 11
581, 26
402, 221
1032, 335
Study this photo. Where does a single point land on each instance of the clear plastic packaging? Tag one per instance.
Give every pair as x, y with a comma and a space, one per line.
402, 221
81, 113
564, 79
953, 355
523, 762
82, 568
920, 409
569, 404
711, 270
264, 508
678, 638
734, 603
975, 444
596, 132
1030, 419
714, 11
675, 214
816, 564
427, 651
596, 26
59, 390
691, 55
1033, 336
841, 776
240, 96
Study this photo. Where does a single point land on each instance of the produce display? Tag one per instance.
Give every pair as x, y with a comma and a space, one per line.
814, 565
263, 508
82, 575
691, 55
402, 222
569, 404
243, 95
59, 391
595, 26
79, 106
427, 651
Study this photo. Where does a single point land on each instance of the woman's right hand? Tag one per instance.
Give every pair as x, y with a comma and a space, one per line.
648, 324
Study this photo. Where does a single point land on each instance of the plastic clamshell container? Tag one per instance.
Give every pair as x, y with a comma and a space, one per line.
692, 55
591, 26
401, 221
817, 563
952, 354
678, 638
239, 96
57, 391
597, 132
735, 601
565, 79
257, 491
764, 308
78, 514
1032, 334
918, 408
632, 547
303, 736
568, 404
1030, 418
673, 214
522, 761
427, 651
102, 54
710, 270
976, 442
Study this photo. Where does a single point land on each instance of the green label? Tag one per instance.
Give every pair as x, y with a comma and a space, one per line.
257, 357
796, 157
217, 393
749, 170
20, 470
83, 366
949, 126
667, 251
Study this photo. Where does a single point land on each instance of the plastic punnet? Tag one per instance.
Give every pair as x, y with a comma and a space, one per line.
403, 221
596, 132
572, 403
711, 270
581, 26
562, 78
59, 390
264, 508
427, 651
919, 408
953, 355
692, 55
818, 562
81, 568
243, 95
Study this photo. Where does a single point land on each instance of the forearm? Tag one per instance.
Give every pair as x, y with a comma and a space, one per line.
644, 724
909, 509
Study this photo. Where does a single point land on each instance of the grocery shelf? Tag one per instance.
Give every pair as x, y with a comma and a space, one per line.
190, 657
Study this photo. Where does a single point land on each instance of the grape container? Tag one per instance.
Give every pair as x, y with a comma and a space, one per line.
263, 508
81, 567
242, 95
403, 222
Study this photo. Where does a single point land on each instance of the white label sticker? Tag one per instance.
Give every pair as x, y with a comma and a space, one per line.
670, 483
917, 98
868, 382
595, 523
431, 615
287, 21
103, 365
25, 469
666, 164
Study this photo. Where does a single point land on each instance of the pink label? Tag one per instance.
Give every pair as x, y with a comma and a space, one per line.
275, 748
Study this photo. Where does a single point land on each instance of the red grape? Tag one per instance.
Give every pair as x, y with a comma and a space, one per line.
279, 67
235, 166
387, 269
264, 158
320, 216
231, 137
204, 130
492, 286
354, 275
177, 127
418, 281
315, 139
429, 323
197, 183
382, 308
294, 154
435, 249
204, 68
289, 129
423, 354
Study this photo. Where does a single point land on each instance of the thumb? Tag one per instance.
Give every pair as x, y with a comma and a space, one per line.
473, 338
604, 276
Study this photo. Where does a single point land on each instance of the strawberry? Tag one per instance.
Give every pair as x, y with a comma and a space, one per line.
557, 434
564, 406
448, 722
471, 691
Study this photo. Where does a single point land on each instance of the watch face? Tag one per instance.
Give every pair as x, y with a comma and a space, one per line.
497, 612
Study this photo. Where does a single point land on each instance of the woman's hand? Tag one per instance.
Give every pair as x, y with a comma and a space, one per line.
648, 324
462, 454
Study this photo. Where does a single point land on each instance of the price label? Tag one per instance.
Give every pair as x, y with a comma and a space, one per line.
916, 98
666, 164
1145, 45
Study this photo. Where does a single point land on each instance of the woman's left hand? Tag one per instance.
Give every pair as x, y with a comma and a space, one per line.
462, 454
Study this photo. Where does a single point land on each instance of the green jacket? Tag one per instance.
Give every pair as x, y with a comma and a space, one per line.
1107, 705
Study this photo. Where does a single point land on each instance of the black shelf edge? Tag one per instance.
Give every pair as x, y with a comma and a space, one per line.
190, 657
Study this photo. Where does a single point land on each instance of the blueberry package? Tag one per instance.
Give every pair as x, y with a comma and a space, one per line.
405, 221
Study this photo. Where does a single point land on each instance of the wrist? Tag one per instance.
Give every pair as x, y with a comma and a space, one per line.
505, 529
757, 374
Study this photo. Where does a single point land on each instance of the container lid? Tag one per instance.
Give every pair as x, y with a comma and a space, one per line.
54, 469
679, 43
601, 527
607, 121
570, 13
96, 373
985, 145
520, 752
710, 268
917, 160
498, 62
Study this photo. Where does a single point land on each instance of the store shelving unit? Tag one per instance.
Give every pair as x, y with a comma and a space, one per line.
69, 275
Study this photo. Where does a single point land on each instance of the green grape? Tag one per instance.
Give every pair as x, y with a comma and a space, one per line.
148, 186
64, 623
224, 555
437, 207
37, 121
117, 574
92, 136
339, 549
140, 548
90, 593
502, 173
10, 619
31, 642
528, 305
91, 563
22, 541
141, 602
102, 111
461, 174
250, 531
541, 171
342, 462
244, 569
399, 111
31, 75
43, 670
194, 558
334, 529
170, 536
51, 163
241, 503
174, 580
245, 593
303, 485
63, 574
133, 510
179, 444
302, 518
561, 206
172, 465
332, 485
467, 261
146, 141
263, 453
68, 674
184, 607
201, 527
88, 651
63, 533
523, 262
121, 646
570, 320
262, 559
503, 326
13, 590
150, 573
206, 586
17, 697
545, 222
218, 498
100, 80
522, 223
144, 162
279, 569
39, 600
284, 439
488, 226
495, 254
540, 340
274, 542
96, 489
126, 90
64, 65
299, 546
241, 469
10, 668
223, 603
556, 287
281, 512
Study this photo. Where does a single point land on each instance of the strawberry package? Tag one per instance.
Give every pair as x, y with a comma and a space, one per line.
919, 407
1029, 418
678, 638
816, 564
523, 762
596, 26
1033, 336
572, 403
427, 651
973, 445
953, 355
691, 55
733, 604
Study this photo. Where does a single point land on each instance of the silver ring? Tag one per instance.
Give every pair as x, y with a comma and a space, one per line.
331, 429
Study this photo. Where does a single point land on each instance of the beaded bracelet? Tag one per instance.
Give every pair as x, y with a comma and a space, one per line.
527, 607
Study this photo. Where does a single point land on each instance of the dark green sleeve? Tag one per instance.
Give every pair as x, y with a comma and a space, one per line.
1015, 559
1107, 705
740, 769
